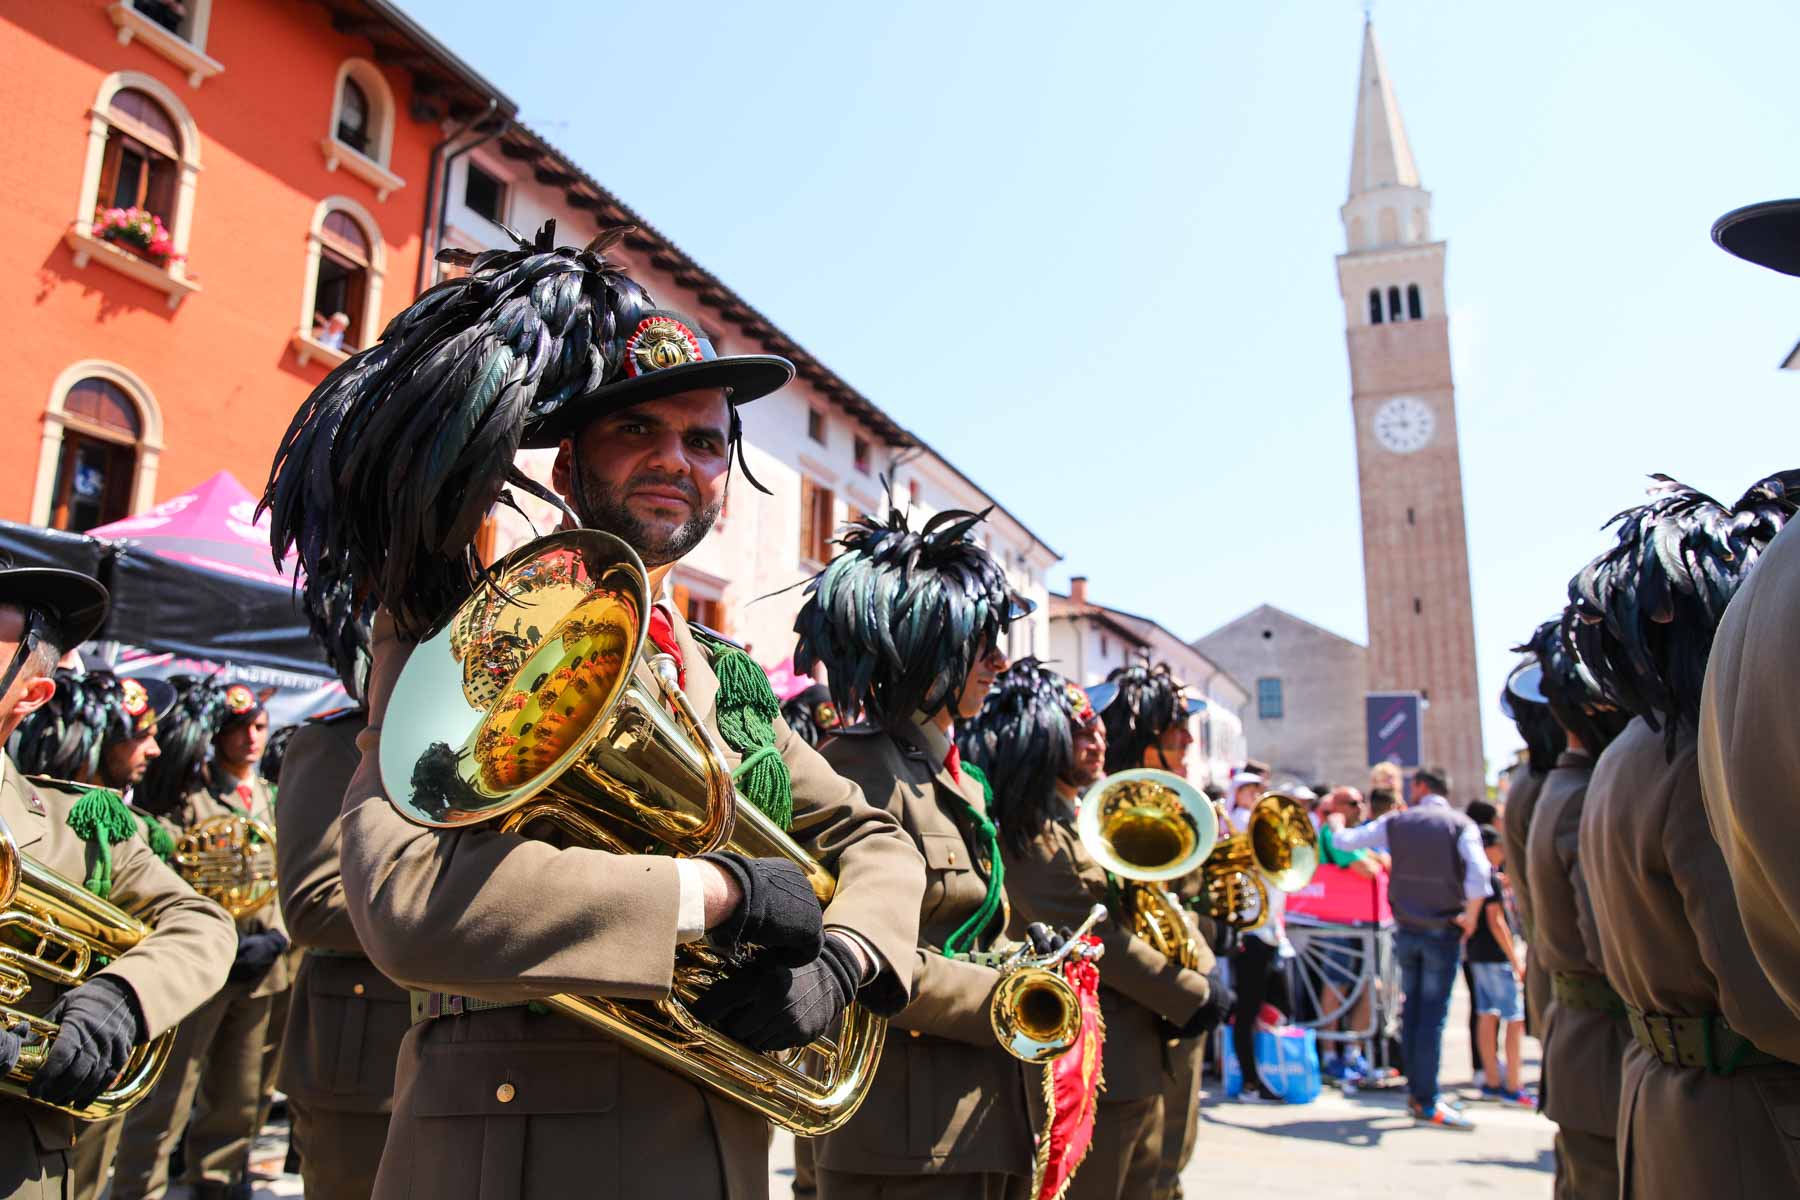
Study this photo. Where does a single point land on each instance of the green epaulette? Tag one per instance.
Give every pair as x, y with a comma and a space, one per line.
100, 818
747, 709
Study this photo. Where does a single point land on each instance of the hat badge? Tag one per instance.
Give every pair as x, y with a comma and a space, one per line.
134, 697
659, 343
825, 715
239, 699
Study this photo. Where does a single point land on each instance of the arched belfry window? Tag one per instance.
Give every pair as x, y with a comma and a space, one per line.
101, 442
1374, 306
1414, 309
1394, 313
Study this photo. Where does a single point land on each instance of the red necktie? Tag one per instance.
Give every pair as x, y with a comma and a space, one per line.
662, 636
953, 763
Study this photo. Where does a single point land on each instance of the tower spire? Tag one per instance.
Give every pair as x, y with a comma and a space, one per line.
1380, 156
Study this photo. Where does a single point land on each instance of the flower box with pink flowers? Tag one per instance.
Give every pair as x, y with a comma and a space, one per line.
137, 230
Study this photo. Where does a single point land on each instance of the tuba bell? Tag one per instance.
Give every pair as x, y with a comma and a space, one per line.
1278, 848
1149, 827
536, 711
229, 859
55, 933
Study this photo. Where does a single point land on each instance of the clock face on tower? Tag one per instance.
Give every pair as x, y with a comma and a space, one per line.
1404, 424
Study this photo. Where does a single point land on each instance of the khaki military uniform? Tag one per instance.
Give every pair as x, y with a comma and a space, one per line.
510, 1103
1584, 1046
1515, 833
213, 1086
1750, 757
176, 968
948, 1107
1674, 946
1186, 1058
1141, 992
346, 1019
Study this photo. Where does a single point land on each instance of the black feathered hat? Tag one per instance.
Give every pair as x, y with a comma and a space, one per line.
1767, 234
1138, 705
811, 714
203, 706
72, 605
1023, 739
68, 736
1641, 616
1567, 693
899, 618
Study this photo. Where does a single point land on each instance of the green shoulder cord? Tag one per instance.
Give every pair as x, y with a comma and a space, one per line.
155, 836
970, 931
101, 819
747, 708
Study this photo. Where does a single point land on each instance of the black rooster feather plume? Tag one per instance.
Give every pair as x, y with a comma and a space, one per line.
1148, 703
899, 618
1544, 737
67, 737
1023, 739
1574, 698
184, 736
387, 470
1641, 616
275, 752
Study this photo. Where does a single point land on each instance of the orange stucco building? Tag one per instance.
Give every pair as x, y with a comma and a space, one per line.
288, 148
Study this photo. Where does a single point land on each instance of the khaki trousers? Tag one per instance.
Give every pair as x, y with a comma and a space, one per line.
806, 1176
1181, 1114
1587, 1166
27, 1170
844, 1185
215, 1072
91, 1159
339, 1151
1121, 1163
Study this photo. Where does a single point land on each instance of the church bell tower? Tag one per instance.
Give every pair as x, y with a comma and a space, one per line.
1415, 548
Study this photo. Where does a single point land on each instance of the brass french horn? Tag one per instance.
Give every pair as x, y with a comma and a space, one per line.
1148, 827
57, 933
536, 711
1278, 848
229, 859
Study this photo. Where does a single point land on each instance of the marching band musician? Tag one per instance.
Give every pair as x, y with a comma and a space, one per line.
1544, 743
1749, 752
1042, 745
910, 626
346, 1019
139, 995
216, 1085
1714, 1051
1145, 710
1584, 1031
494, 1095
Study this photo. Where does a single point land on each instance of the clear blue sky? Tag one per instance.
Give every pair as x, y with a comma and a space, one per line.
1087, 252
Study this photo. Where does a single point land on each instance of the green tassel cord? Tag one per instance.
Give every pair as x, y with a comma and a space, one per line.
155, 836
747, 710
969, 933
101, 819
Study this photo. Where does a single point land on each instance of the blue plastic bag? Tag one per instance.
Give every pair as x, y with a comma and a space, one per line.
1286, 1058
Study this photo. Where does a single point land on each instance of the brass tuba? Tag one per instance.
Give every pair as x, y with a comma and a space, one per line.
55, 933
229, 859
1279, 848
536, 710
1149, 827
1035, 1014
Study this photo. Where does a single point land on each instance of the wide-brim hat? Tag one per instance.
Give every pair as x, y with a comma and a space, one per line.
147, 700
1767, 234
75, 603
662, 354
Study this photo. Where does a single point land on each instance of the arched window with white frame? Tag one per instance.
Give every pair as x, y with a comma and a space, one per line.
360, 137
345, 265
101, 443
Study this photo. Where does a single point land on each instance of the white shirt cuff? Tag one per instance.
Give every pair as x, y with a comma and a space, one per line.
690, 914
872, 962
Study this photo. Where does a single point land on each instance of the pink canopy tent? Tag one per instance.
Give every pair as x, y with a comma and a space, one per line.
214, 527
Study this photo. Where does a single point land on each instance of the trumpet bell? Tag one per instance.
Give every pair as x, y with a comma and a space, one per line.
1147, 825
1035, 1014
1284, 842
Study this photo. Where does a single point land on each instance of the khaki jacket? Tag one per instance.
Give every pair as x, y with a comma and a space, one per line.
1521, 802
1583, 1047
172, 972
1673, 944
1056, 881
946, 1098
505, 918
1750, 757
346, 1019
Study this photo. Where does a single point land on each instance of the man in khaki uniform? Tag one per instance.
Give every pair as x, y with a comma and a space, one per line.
1039, 773
494, 1096
144, 992
1711, 1062
943, 604
1544, 741
1749, 751
1585, 1033
213, 1087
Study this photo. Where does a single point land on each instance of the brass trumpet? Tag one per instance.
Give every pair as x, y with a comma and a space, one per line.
1035, 1013
56, 933
1279, 848
229, 859
1148, 827
537, 711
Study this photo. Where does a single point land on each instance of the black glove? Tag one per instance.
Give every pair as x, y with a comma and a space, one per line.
1045, 942
12, 1044
1220, 1000
778, 912
256, 953
100, 1024
768, 1006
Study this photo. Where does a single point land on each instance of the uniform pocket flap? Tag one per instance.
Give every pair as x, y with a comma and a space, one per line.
513, 1079
944, 852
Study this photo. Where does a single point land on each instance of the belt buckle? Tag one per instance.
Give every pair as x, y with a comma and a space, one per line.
1672, 1055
